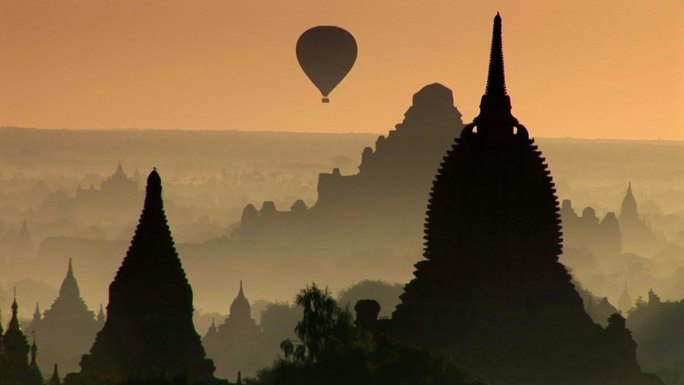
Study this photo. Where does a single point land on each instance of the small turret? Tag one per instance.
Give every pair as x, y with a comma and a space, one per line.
55, 380
100, 317
16, 345
629, 210
653, 298
34, 351
119, 171
36, 318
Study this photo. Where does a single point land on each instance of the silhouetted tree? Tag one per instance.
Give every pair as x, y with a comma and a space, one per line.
346, 355
319, 318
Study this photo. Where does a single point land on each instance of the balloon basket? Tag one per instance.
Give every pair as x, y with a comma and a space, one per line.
325, 100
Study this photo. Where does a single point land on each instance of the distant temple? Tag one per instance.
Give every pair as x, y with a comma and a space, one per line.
149, 328
234, 344
611, 235
600, 237
114, 203
490, 293
67, 329
117, 185
637, 234
384, 202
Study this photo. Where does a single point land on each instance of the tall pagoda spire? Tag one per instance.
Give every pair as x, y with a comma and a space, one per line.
69, 288
69, 299
496, 82
240, 308
629, 210
14, 321
36, 316
495, 118
490, 289
149, 316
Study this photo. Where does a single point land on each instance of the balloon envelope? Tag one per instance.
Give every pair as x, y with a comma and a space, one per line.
326, 54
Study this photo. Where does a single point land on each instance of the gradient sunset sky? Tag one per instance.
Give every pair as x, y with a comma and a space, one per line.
579, 68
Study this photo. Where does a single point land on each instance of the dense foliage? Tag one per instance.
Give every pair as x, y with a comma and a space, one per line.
331, 350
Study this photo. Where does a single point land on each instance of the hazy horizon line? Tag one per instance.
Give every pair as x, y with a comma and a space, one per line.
211, 130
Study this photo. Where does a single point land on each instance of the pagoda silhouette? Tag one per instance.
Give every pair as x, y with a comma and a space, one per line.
67, 329
149, 329
15, 367
491, 294
234, 345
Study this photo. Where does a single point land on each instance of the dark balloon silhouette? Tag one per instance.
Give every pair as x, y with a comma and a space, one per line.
326, 54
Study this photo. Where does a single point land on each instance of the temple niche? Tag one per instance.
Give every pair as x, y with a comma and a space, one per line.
149, 328
491, 293
67, 329
234, 345
383, 204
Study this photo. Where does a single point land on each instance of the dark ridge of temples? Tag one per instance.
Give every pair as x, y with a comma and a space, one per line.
149, 326
491, 293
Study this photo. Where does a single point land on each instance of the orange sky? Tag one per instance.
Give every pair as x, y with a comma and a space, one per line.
575, 68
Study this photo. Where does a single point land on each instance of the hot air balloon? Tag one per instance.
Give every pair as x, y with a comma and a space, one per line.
326, 54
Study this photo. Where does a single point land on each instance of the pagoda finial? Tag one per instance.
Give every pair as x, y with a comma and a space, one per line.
14, 321
240, 307
495, 118
496, 82
14, 303
36, 314
153, 197
629, 209
69, 288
